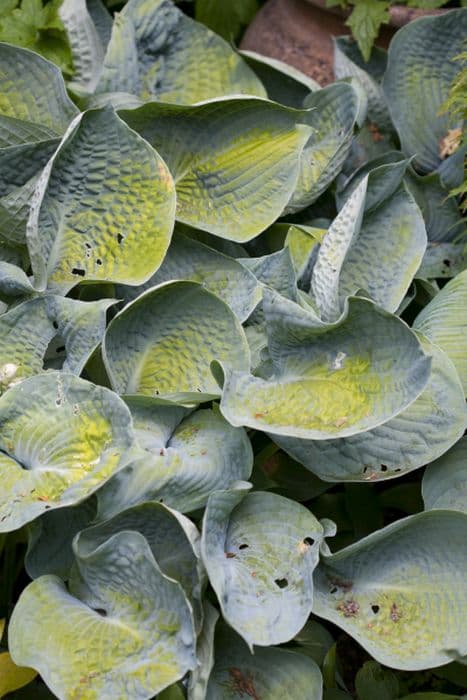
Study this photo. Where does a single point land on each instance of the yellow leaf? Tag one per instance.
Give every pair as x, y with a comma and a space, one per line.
12, 676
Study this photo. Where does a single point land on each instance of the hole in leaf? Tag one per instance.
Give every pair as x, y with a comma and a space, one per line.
88, 246
243, 546
333, 590
60, 349
55, 354
281, 582
375, 609
101, 612
447, 262
78, 271
383, 467
309, 541
119, 238
55, 325
98, 261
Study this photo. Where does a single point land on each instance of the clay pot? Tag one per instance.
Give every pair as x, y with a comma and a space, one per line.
299, 32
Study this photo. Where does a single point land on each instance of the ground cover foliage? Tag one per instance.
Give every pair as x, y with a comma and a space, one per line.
232, 332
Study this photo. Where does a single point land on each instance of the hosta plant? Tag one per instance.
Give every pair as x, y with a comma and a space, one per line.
232, 333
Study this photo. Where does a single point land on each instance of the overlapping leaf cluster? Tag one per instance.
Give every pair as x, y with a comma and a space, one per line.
201, 269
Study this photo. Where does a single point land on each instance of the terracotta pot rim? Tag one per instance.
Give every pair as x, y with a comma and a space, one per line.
400, 15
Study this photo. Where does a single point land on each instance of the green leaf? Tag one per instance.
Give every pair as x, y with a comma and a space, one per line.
373, 681
34, 105
314, 640
173, 539
252, 146
444, 483
400, 591
417, 81
441, 214
414, 437
259, 551
60, 439
41, 331
177, 330
365, 22
12, 676
333, 115
443, 321
329, 380
100, 200
137, 621
86, 45
156, 51
188, 259
184, 458
225, 18
284, 83
272, 673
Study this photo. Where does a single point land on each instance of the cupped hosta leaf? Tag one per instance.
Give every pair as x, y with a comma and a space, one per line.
60, 439
199, 677
259, 551
386, 252
86, 46
138, 639
50, 538
188, 259
444, 483
156, 51
442, 216
235, 162
103, 208
14, 282
349, 63
444, 322
416, 436
173, 539
185, 458
443, 260
284, 83
34, 105
27, 331
400, 592
329, 380
333, 115
272, 674
332, 253
417, 81
164, 341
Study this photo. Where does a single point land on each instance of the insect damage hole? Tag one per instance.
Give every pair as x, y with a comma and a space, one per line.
281, 582
101, 612
78, 271
243, 546
375, 609
309, 541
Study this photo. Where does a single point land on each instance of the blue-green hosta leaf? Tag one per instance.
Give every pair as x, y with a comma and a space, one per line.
332, 253
444, 483
400, 592
272, 673
440, 211
185, 458
102, 19
416, 436
138, 639
348, 63
60, 439
333, 116
27, 330
14, 282
284, 83
103, 208
188, 259
417, 82
329, 380
384, 177
173, 539
34, 105
444, 322
86, 46
387, 251
443, 260
164, 342
156, 51
259, 551
199, 677
235, 162
50, 538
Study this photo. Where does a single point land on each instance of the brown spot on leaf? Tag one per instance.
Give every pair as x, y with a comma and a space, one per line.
230, 555
243, 683
376, 134
450, 143
349, 607
395, 613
